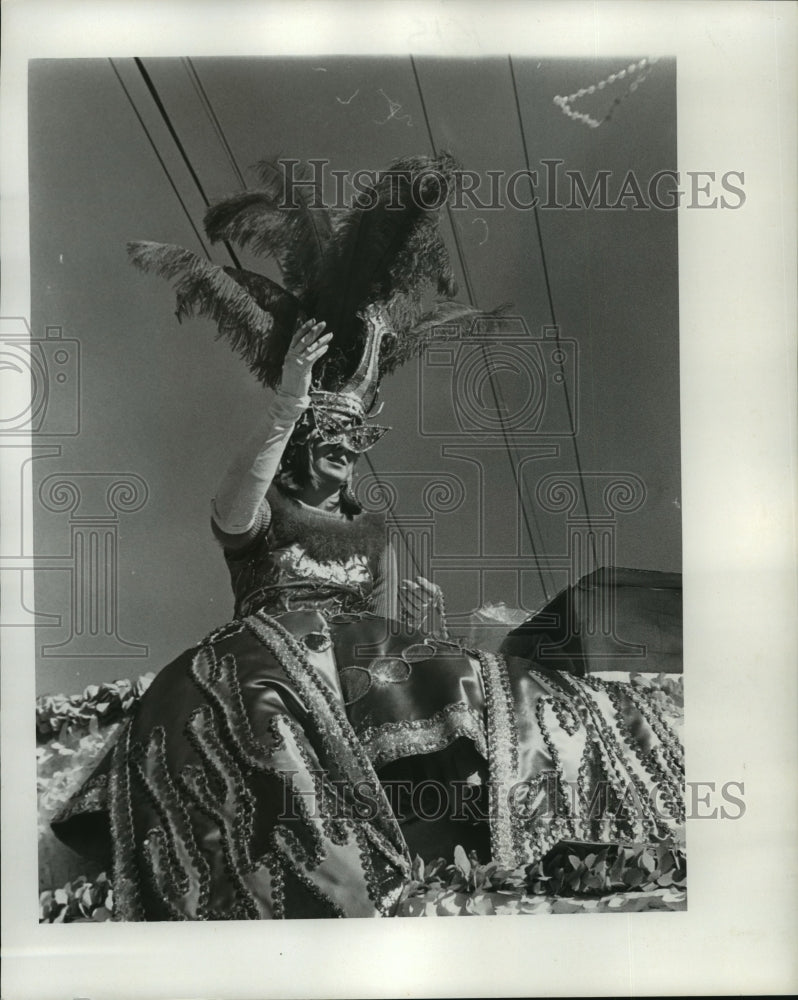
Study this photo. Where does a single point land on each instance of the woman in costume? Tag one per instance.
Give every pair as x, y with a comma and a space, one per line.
294, 762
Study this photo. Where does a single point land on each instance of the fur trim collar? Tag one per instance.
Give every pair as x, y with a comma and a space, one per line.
323, 536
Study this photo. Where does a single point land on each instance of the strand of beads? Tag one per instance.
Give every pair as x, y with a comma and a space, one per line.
440, 607
639, 71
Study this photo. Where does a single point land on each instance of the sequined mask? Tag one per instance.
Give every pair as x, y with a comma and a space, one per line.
335, 428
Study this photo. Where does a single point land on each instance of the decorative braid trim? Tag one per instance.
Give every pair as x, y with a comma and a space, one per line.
341, 746
392, 740
127, 900
502, 758
91, 797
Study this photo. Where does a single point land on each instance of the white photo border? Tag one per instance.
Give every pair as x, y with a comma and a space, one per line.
736, 111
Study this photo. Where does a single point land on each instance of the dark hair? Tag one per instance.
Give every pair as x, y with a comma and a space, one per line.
297, 472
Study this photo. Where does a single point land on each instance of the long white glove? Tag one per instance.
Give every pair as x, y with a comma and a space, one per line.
240, 497
244, 486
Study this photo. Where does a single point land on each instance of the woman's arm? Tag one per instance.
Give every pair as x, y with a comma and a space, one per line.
385, 596
238, 505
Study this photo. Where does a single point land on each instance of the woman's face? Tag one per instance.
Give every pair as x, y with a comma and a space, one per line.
332, 462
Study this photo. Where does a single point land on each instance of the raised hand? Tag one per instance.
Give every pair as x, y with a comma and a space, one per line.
308, 344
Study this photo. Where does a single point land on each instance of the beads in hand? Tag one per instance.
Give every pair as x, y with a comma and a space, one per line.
419, 600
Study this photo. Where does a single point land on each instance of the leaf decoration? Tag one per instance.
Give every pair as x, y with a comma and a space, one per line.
640, 867
79, 901
98, 705
461, 861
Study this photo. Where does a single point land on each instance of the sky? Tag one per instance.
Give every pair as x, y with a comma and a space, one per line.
161, 405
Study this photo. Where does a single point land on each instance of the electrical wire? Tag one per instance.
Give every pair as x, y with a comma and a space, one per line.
591, 533
181, 149
205, 101
495, 391
197, 233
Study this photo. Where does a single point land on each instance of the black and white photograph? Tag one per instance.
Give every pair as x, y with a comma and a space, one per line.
348, 433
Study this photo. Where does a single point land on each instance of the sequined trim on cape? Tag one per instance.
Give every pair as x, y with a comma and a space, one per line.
502, 759
127, 901
91, 797
343, 751
391, 740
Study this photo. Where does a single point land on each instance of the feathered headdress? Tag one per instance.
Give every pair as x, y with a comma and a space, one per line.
363, 270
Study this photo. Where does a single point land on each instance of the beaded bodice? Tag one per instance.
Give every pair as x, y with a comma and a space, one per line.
288, 579
307, 559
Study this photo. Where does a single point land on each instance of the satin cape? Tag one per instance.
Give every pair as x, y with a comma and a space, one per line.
293, 765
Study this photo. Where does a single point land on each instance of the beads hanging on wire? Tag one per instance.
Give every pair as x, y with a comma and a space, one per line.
637, 72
